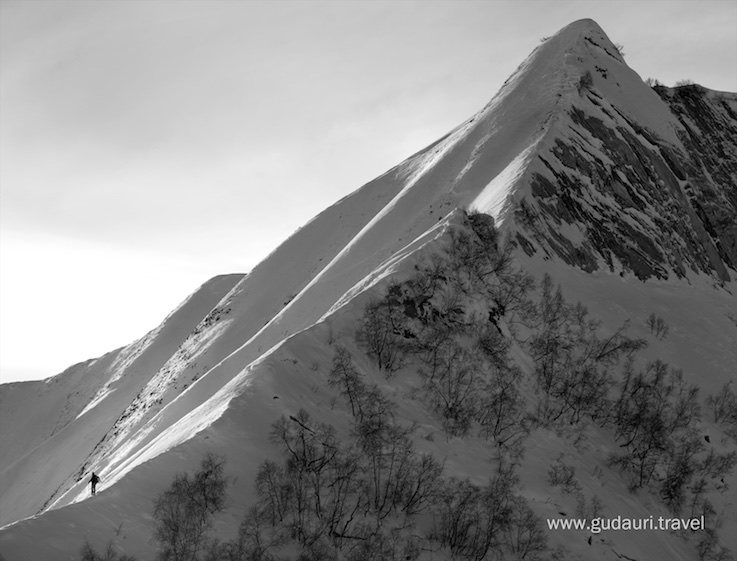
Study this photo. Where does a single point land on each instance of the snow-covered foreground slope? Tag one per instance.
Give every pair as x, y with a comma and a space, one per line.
236, 424
580, 176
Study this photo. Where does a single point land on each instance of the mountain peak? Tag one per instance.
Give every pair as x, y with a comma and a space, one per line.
589, 31
589, 172
619, 165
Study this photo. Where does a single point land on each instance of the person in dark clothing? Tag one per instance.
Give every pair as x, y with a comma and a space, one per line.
94, 481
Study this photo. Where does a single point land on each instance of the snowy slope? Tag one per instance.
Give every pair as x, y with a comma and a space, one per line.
244, 349
50, 459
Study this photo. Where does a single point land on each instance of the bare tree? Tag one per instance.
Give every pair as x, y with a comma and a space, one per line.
347, 378
657, 325
723, 407
256, 541
653, 408
382, 332
526, 538
501, 410
471, 521
183, 513
89, 554
572, 361
453, 385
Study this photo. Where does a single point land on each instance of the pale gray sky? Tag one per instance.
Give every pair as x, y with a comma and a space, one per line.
148, 146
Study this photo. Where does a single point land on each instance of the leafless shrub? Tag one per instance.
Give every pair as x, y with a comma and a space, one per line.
562, 475
183, 513
347, 378
255, 541
653, 407
710, 549
586, 509
89, 554
526, 538
572, 362
453, 385
381, 332
723, 407
657, 325
501, 407
472, 521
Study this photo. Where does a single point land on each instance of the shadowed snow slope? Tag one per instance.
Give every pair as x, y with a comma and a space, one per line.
595, 177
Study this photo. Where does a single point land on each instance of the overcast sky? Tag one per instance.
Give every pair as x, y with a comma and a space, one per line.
148, 146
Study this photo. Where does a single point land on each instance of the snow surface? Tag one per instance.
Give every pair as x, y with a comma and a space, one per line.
243, 350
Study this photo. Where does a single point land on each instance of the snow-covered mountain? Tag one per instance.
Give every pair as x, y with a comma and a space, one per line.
625, 194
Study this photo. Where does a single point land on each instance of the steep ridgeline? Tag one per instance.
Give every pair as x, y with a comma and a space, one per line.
584, 168
50, 428
629, 179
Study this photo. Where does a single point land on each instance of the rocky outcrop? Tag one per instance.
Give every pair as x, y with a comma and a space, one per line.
610, 191
709, 134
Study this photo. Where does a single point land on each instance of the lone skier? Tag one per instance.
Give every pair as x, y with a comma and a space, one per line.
94, 480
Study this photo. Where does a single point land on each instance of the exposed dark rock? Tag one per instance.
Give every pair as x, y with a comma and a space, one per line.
637, 198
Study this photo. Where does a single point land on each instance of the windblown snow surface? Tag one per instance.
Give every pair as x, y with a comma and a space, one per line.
245, 349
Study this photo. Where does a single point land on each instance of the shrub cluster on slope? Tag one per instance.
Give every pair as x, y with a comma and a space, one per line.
573, 365
362, 499
653, 412
447, 318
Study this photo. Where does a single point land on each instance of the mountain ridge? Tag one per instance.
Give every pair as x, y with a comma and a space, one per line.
568, 167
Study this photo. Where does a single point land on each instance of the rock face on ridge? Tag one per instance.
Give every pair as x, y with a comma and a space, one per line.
653, 196
709, 120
